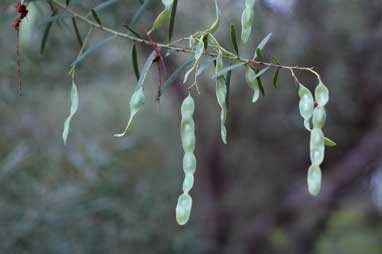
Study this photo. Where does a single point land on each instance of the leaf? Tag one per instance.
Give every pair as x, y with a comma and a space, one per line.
135, 61
259, 54
139, 13
73, 109
234, 38
275, 60
45, 37
204, 66
172, 20
276, 77
329, 142
259, 82
216, 23
262, 45
67, 2
92, 49
228, 85
96, 17
105, 5
146, 68
227, 69
174, 75
132, 31
53, 18
163, 16
260, 73
77, 32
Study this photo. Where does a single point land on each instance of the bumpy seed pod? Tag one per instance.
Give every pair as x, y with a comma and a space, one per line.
250, 75
187, 131
321, 94
314, 180
247, 20
319, 117
221, 95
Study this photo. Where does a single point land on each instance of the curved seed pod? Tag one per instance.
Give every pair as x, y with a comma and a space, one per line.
183, 208
250, 77
306, 103
189, 163
136, 103
319, 117
321, 94
317, 154
246, 20
314, 180
221, 94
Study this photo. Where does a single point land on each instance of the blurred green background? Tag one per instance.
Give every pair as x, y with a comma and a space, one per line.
100, 194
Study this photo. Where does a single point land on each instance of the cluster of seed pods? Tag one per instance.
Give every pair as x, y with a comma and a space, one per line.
314, 110
183, 208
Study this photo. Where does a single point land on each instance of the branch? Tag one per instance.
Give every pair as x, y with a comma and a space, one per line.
228, 55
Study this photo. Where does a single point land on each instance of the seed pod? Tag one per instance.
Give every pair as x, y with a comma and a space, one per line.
316, 138
188, 182
317, 154
189, 162
314, 180
246, 20
306, 103
321, 94
183, 208
221, 94
250, 75
319, 117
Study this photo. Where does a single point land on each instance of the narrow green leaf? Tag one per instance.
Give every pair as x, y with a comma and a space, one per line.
96, 17
45, 37
172, 20
262, 45
67, 2
204, 66
146, 68
77, 32
174, 75
259, 54
132, 31
234, 38
228, 85
329, 142
92, 49
135, 61
138, 15
227, 69
104, 5
162, 17
276, 77
264, 70
259, 82
73, 109
275, 60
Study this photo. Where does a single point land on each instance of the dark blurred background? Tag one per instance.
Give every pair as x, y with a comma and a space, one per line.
100, 194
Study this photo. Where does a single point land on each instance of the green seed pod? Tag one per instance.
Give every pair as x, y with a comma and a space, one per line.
183, 208
188, 182
317, 154
316, 138
247, 20
306, 104
314, 180
250, 75
321, 94
221, 95
188, 106
189, 162
319, 117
